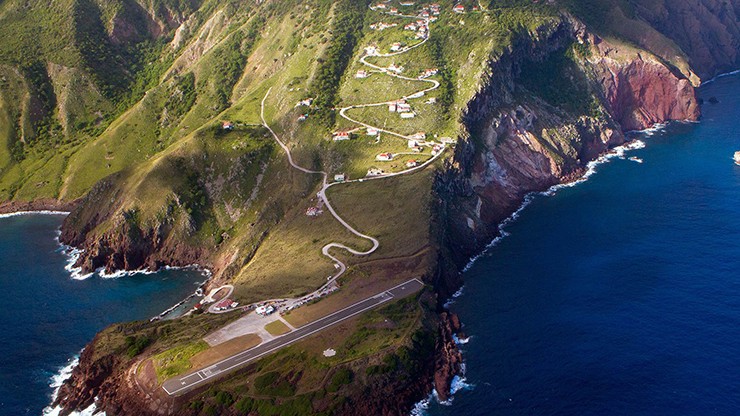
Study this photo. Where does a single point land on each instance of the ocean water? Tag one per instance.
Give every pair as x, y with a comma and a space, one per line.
47, 317
621, 295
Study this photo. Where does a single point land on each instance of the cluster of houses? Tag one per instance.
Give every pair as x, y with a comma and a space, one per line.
430, 12
225, 304
379, 26
402, 108
460, 8
399, 106
420, 27
342, 135
384, 7
436, 149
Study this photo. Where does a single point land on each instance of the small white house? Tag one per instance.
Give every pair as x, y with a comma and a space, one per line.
371, 131
340, 177
384, 157
408, 115
362, 74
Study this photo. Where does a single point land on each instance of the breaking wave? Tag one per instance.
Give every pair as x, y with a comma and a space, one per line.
43, 212
454, 296
56, 382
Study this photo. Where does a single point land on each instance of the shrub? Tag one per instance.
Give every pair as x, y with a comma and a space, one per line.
340, 378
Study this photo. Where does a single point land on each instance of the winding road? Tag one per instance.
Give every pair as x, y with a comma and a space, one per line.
341, 267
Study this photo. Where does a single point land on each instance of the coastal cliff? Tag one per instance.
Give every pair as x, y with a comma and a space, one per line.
557, 98
518, 142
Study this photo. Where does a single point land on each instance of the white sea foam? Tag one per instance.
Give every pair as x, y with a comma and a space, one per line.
64, 373
72, 255
460, 341
122, 273
726, 74
421, 407
454, 296
42, 212
459, 383
90, 411
56, 382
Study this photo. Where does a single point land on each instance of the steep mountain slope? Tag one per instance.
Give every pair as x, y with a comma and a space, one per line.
152, 118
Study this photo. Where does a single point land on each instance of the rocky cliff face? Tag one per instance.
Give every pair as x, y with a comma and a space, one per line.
519, 143
639, 90
128, 244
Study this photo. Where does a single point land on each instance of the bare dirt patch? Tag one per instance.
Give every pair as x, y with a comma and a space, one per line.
224, 350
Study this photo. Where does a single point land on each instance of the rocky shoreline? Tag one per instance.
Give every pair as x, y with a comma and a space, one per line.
9, 207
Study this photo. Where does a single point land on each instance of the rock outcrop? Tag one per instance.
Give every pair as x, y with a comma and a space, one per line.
448, 358
640, 91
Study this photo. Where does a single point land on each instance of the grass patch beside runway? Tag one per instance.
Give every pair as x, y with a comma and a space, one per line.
176, 360
277, 328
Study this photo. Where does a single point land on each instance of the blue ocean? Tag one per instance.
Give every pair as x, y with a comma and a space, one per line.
620, 295
47, 317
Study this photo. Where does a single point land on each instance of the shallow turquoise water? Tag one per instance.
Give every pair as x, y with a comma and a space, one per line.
621, 295
47, 317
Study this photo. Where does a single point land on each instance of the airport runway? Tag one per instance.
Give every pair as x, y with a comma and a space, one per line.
182, 384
